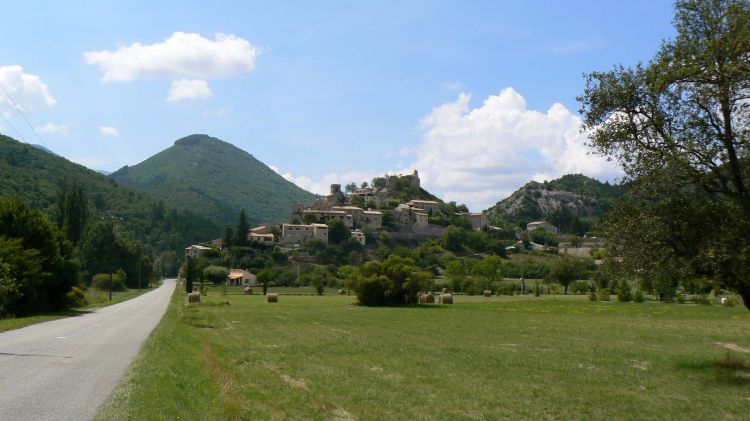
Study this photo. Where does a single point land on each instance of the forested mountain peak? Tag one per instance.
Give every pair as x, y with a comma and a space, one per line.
215, 179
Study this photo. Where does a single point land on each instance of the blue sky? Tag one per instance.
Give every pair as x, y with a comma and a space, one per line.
478, 96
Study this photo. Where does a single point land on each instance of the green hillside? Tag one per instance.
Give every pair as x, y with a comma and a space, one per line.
573, 202
216, 180
36, 177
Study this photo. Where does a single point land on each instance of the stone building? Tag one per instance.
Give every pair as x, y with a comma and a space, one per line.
542, 225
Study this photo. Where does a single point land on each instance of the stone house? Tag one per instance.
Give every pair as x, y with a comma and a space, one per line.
241, 277
542, 225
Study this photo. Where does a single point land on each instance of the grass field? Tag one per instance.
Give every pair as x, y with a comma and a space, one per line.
94, 298
310, 357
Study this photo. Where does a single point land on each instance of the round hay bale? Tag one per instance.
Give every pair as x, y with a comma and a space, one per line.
272, 297
487, 293
194, 297
343, 292
248, 291
445, 299
445, 290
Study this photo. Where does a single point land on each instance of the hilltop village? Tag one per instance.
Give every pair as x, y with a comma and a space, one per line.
357, 224
405, 221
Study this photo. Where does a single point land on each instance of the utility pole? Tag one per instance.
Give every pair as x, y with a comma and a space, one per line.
111, 234
140, 261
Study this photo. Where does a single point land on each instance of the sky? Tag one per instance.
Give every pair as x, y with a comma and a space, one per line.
478, 96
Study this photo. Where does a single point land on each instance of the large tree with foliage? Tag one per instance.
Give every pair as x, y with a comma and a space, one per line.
394, 281
38, 263
338, 233
680, 127
72, 210
240, 235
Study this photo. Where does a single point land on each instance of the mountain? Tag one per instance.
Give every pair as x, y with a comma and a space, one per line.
36, 177
214, 179
573, 202
43, 148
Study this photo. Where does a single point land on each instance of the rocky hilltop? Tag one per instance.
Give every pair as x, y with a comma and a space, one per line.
573, 202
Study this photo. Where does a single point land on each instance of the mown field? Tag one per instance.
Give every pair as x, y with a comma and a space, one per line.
322, 357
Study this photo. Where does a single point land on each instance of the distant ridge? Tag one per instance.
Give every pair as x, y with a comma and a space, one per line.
36, 175
215, 179
40, 147
573, 201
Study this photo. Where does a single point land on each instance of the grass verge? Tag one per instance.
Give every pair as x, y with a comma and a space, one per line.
95, 299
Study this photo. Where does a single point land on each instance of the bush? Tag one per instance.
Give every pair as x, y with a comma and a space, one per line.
101, 281
76, 297
624, 293
603, 294
506, 288
216, 274
702, 299
395, 281
731, 302
638, 297
680, 298
581, 287
592, 296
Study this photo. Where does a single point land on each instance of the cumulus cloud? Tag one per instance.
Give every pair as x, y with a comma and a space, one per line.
323, 184
52, 128
27, 91
189, 89
182, 55
480, 155
108, 131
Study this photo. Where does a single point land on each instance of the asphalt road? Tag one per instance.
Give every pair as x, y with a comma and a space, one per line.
65, 369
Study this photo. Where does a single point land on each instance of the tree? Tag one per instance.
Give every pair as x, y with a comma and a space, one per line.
338, 232
456, 274
265, 277
39, 259
351, 187
190, 272
72, 209
240, 235
564, 272
395, 281
216, 274
454, 238
228, 237
679, 128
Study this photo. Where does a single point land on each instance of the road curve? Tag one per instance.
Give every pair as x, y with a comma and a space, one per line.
65, 369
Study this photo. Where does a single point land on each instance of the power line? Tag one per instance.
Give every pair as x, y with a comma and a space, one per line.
13, 127
18, 108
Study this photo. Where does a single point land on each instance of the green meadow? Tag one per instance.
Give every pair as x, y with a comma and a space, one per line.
324, 357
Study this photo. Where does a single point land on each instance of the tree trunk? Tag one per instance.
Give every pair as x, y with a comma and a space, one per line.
566, 289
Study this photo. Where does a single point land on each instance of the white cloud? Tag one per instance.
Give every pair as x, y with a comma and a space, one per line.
182, 55
479, 156
451, 86
189, 89
53, 128
221, 112
27, 91
323, 184
108, 131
